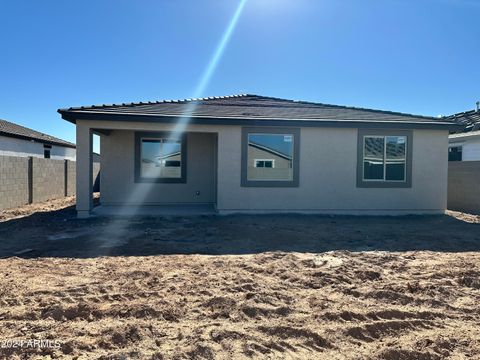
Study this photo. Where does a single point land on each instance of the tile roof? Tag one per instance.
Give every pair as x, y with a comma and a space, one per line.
10, 129
469, 119
246, 106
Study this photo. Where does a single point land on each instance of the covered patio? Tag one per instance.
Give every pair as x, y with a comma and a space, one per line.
135, 182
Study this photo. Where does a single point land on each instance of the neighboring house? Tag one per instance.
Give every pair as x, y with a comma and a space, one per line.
266, 162
16, 140
465, 145
248, 153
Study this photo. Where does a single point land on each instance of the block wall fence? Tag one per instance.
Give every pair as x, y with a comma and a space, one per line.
26, 180
464, 186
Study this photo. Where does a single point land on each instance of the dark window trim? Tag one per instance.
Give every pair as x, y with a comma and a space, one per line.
296, 156
384, 184
162, 134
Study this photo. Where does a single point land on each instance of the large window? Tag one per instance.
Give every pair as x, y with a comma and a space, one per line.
160, 157
270, 157
384, 159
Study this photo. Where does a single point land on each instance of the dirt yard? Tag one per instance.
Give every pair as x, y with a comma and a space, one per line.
302, 287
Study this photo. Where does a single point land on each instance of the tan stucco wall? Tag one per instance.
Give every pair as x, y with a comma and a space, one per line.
328, 159
117, 175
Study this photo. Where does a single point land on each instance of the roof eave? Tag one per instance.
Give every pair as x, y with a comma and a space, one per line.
73, 116
466, 135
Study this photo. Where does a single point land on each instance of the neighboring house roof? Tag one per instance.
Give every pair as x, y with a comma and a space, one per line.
10, 129
270, 150
469, 119
465, 135
166, 156
248, 109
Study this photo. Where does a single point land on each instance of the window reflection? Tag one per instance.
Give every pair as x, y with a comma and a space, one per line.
270, 157
161, 158
373, 158
384, 158
395, 162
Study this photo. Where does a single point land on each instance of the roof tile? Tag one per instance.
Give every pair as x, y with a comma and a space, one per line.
257, 107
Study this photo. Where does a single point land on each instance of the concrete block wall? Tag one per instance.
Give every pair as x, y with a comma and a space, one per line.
48, 179
464, 186
71, 177
25, 180
14, 185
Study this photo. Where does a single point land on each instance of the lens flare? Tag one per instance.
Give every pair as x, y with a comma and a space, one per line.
116, 228
210, 70
219, 50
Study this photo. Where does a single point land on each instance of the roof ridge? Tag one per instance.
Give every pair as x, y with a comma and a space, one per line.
185, 100
347, 107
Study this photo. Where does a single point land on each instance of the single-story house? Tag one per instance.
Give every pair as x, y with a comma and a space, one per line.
465, 145
258, 154
17, 140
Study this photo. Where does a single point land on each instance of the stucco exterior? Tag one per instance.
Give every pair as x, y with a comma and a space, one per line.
10, 146
327, 178
118, 183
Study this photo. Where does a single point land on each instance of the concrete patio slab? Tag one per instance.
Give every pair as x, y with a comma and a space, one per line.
145, 210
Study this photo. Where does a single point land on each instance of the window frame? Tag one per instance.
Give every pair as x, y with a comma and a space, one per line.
383, 183
295, 132
139, 136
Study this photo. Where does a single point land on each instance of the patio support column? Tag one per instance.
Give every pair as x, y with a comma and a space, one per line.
84, 170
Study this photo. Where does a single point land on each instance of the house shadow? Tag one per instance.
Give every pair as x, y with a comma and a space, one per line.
59, 233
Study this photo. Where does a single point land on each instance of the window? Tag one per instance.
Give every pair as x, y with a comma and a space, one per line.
160, 157
46, 151
270, 157
172, 163
384, 159
267, 163
455, 153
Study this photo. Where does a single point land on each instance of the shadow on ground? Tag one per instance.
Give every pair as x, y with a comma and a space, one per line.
60, 234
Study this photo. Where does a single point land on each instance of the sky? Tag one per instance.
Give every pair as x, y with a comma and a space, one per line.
414, 56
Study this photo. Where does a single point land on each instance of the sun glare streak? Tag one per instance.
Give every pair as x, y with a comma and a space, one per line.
210, 70
118, 228
219, 50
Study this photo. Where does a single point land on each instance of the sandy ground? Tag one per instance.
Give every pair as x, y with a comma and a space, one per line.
301, 287
46, 206
339, 305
